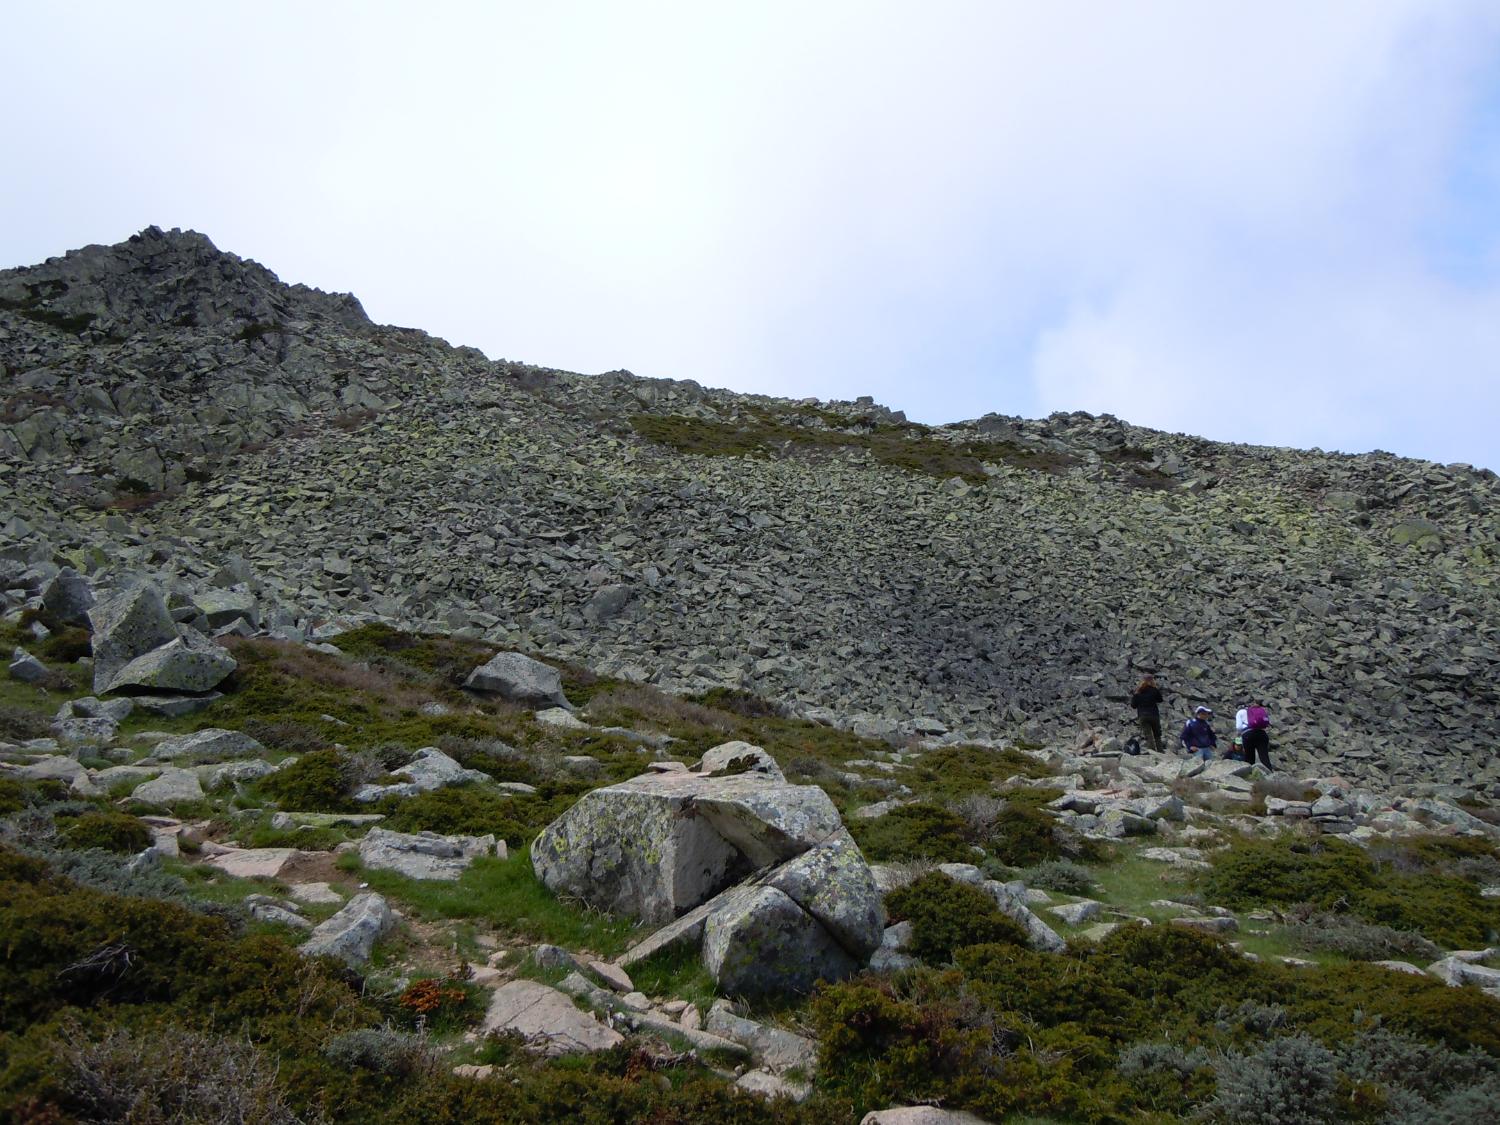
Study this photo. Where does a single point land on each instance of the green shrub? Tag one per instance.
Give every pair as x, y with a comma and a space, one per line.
1023, 835
66, 645
475, 810
109, 831
947, 915
1289, 1081
318, 782
12, 796
1336, 876
917, 831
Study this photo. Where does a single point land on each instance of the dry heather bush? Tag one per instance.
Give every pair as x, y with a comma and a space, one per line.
1359, 940
129, 1077
980, 813
629, 703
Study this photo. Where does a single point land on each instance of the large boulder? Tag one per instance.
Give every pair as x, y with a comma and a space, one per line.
761, 943
761, 875
832, 882
657, 845
126, 625
189, 662
519, 679
67, 599
169, 787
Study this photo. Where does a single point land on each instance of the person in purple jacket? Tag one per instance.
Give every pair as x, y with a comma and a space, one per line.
1198, 735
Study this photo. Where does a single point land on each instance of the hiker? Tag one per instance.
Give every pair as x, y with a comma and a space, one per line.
1198, 734
1252, 727
1147, 703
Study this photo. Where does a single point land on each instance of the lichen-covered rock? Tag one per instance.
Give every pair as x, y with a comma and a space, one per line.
740, 757
25, 667
189, 662
126, 625
169, 787
351, 934
68, 598
832, 882
761, 943
657, 845
423, 855
520, 679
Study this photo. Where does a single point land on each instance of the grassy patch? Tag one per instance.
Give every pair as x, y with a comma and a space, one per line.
908, 447
506, 893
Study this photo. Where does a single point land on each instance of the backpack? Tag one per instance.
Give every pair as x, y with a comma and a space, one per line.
1133, 747
1257, 718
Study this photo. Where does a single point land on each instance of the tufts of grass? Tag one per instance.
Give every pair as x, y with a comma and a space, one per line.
507, 894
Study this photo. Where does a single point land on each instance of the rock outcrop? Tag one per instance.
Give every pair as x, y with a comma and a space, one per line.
759, 873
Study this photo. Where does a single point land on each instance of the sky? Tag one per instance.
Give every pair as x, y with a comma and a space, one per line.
1267, 222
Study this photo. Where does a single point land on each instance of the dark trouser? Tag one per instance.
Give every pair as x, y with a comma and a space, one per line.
1258, 742
1151, 728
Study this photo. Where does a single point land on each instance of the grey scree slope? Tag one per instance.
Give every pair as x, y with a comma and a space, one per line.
353, 469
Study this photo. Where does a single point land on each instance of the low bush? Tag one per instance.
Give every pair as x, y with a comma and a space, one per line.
1359, 940
917, 831
1293, 1080
66, 645
126, 1075
109, 831
1336, 876
321, 781
476, 810
1061, 875
20, 724
947, 915
1023, 835
385, 1050
438, 1005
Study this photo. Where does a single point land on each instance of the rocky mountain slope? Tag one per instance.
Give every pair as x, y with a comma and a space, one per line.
168, 407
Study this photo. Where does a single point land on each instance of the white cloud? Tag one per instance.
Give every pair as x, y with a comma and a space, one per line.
962, 207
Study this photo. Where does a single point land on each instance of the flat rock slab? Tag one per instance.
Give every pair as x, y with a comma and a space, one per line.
255, 863
920, 1115
169, 787
773, 1048
1179, 857
211, 745
318, 894
547, 1019
423, 855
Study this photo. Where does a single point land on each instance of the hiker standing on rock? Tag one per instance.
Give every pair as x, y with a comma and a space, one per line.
1198, 735
1252, 727
1147, 702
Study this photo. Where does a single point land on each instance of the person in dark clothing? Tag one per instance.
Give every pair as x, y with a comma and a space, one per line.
1257, 736
1147, 702
1198, 735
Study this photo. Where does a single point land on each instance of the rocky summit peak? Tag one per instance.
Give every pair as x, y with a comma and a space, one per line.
175, 412
160, 280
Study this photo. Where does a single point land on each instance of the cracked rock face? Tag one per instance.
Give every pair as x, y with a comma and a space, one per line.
657, 845
168, 401
759, 873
